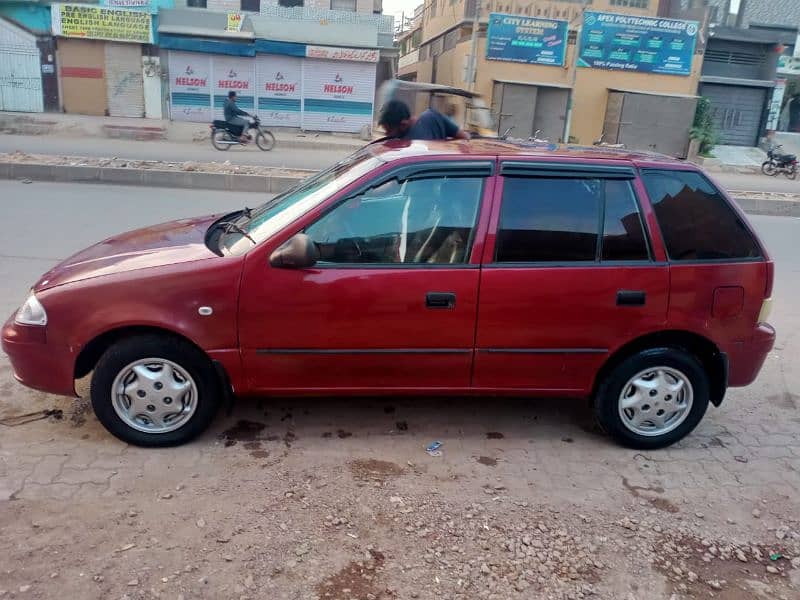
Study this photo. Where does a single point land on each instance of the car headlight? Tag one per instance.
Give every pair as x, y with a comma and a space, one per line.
31, 312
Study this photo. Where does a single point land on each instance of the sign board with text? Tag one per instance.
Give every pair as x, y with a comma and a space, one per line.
98, 23
639, 44
349, 54
528, 40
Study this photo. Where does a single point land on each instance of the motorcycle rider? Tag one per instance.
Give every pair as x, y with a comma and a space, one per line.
234, 118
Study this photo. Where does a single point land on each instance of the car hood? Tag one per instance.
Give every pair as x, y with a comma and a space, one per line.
164, 244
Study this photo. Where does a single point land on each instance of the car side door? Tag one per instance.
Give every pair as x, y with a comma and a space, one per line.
392, 302
569, 276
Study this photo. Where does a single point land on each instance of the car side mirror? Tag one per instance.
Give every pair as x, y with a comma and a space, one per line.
298, 252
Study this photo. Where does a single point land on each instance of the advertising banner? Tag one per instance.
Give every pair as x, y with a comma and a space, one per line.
235, 21
190, 86
280, 81
351, 54
526, 40
337, 96
233, 73
98, 23
639, 44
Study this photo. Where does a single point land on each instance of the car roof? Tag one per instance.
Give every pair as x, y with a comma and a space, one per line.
390, 150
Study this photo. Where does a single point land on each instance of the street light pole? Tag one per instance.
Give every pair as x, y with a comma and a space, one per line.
472, 64
573, 77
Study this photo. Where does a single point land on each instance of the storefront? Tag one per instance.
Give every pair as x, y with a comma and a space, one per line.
21, 70
100, 57
325, 89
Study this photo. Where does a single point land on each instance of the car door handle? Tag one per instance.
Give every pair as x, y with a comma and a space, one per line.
631, 298
444, 300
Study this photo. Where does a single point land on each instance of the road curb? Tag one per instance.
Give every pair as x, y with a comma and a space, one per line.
784, 205
232, 182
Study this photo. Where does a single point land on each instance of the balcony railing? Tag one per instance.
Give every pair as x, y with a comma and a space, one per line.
408, 59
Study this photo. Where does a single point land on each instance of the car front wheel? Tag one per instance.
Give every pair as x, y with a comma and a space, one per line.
154, 391
653, 398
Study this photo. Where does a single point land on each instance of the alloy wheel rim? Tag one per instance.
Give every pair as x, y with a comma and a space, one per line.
655, 401
154, 395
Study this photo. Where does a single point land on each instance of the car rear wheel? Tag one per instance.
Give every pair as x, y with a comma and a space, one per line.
154, 391
653, 398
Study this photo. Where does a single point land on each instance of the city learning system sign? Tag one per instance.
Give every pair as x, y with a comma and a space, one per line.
98, 23
642, 44
526, 40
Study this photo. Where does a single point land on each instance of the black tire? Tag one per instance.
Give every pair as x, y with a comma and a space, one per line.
265, 140
768, 168
791, 172
217, 137
185, 355
609, 391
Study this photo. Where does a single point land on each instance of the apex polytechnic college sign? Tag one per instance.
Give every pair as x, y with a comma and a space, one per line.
643, 44
528, 40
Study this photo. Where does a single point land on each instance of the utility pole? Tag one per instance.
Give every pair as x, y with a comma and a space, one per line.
573, 76
472, 59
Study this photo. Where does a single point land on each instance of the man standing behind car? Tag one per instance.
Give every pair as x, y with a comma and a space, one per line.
233, 117
396, 119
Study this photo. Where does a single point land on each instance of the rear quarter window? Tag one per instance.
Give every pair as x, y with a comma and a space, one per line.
695, 219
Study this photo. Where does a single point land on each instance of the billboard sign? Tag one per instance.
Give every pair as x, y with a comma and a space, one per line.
98, 23
528, 40
639, 44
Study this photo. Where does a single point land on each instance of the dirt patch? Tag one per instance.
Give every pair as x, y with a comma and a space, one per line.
80, 408
702, 567
494, 435
785, 400
371, 469
487, 461
243, 431
357, 579
342, 434
643, 492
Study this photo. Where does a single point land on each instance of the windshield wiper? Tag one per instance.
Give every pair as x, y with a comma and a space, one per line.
229, 226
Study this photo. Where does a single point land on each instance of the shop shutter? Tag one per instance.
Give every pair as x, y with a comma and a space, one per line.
280, 86
20, 70
337, 95
82, 73
124, 80
190, 87
233, 73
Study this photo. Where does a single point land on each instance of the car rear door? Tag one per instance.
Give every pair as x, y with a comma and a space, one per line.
392, 303
569, 275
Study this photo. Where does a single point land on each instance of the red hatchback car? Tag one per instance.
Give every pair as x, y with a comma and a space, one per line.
422, 268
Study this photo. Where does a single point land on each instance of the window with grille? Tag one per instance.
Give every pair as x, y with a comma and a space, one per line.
345, 5
251, 5
196, 3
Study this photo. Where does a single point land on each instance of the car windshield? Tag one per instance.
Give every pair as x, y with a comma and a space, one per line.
266, 220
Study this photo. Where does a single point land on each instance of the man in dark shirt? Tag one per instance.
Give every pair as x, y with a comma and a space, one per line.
233, 117
396, 119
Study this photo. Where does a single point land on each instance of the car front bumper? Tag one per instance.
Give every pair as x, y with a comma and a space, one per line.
35, 363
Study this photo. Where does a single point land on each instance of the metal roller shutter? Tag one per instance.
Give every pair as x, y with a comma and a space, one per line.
20, 70
337, 95
124, 81
82, 71
190, 87
232, 73
280, 87
737, 112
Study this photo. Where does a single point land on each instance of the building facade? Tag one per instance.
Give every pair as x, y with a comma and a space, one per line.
527, 66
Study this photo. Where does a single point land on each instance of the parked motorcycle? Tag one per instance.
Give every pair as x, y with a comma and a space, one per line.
222, 138
779, 163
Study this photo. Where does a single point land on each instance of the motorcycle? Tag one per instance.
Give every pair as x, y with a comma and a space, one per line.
222, 138
779, 163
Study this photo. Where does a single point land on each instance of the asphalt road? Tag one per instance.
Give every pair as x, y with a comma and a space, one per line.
46, 222
279, 157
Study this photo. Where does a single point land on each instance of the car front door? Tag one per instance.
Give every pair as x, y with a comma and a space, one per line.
392, 302
569, 278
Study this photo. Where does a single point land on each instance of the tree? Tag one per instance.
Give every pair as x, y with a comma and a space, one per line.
703, 129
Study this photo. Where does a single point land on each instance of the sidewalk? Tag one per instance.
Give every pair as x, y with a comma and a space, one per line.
734, 159
80, 126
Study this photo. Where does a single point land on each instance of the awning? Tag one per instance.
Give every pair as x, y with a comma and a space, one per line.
207, 45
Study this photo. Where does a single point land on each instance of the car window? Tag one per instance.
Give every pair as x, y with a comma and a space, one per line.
549, 219
276, 214
696, 221
623, 233
417, 221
